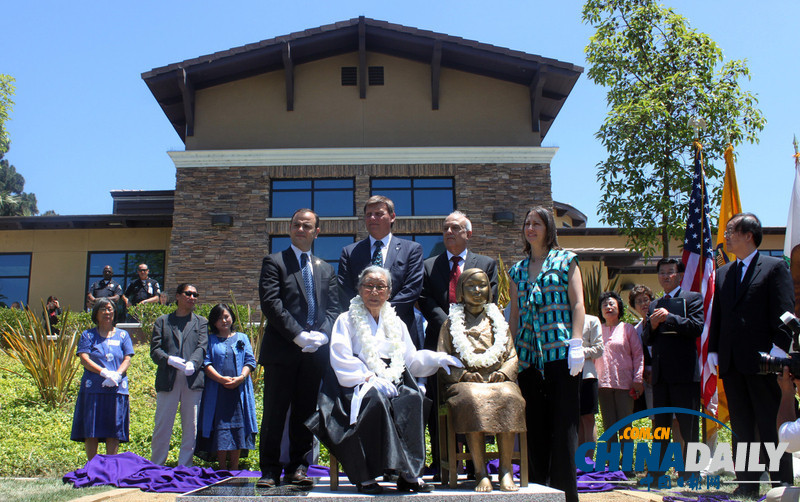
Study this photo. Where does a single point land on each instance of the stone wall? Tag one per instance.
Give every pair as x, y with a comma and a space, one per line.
224, 260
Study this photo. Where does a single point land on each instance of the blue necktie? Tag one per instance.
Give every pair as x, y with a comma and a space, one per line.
377, 257
308, 280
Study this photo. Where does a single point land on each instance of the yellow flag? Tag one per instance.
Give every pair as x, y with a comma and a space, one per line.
730, 205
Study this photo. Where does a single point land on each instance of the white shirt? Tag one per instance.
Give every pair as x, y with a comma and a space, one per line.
746, 263
463, 256
386, 240
298, 252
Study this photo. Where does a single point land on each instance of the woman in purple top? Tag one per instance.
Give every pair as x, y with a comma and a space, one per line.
102, 410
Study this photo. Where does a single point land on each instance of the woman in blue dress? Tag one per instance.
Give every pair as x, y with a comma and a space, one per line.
102, 411
228, 409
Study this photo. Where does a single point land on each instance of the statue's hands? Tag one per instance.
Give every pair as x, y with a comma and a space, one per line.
497, 377
473, 377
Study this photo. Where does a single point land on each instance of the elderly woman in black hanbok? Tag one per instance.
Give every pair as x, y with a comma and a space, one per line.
370, 412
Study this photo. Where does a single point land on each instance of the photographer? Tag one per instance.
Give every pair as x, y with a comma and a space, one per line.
788, 432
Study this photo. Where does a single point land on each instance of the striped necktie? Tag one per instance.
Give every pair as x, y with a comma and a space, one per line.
308, 281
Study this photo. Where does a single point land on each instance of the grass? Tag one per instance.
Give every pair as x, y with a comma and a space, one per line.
43, 490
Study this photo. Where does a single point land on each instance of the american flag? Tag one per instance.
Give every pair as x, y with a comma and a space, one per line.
698, 257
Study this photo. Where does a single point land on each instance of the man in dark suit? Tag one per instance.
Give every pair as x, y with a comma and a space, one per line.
750, 294
673, 338
178, 347
299, 300
438, 291
403, 259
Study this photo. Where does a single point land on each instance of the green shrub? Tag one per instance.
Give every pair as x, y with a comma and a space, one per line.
50, 360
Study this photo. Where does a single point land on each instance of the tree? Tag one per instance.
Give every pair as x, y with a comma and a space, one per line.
660, 73
6, 91
13, 201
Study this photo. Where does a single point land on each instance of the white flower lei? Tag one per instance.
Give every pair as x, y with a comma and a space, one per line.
462, 345
369, 342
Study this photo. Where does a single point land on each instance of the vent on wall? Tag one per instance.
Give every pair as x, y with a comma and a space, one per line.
375, 75
350, 75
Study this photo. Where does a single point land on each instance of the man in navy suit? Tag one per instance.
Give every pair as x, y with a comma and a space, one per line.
403, 259
673, 338
438, 292
298, 295
750, 295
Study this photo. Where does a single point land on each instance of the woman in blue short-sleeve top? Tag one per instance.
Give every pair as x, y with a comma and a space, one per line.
102, 411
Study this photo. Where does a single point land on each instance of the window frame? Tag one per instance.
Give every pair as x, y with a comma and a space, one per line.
311, 191
412, 190
128, 265
28, 277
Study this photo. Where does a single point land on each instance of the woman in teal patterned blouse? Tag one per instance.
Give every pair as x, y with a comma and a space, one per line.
546, 301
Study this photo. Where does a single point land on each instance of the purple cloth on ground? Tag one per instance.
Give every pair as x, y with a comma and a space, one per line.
589, 482
718, 497
128, 470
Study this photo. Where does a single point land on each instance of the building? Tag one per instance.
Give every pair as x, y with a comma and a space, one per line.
324, 118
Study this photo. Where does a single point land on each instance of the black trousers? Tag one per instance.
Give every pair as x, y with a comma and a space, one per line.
295, 385
681, 395
753, 402
551, 416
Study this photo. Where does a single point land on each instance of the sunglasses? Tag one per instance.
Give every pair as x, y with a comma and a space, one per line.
194, 294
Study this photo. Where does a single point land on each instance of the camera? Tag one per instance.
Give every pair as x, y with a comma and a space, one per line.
772, 364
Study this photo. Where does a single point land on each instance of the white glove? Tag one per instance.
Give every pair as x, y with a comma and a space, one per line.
446, 360
304, 340
778, 352
189, 370
320, 338
713, 361
112, 378
384, 386
177, 362
109, 383
575, 358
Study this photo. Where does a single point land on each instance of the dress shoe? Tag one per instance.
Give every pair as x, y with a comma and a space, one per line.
268, 481
298, 477
413, 486
369, 489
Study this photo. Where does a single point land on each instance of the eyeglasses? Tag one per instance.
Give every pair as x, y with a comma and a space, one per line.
142, 270
195, 294
380, 288
728, 233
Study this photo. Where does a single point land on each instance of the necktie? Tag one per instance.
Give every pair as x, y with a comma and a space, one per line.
667, 297
738, 274
377, 257
455, 273
308, 281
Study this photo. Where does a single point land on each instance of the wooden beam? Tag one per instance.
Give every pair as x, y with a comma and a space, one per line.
537, 84
288, 71
436, 71
187, 92
362, 58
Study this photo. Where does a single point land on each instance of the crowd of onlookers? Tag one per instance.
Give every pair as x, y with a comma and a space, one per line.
346, 353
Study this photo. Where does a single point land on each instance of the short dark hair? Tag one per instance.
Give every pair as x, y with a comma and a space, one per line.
380, 199
551, 240
748, 223
99, 305
183, 286
605, 296
216, 314
638, 290
306, 210
670, 261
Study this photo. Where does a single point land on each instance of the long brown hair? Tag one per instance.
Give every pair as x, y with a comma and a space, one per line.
551, 240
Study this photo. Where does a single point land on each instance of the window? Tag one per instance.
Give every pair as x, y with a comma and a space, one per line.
327, 197
432, 244
124, 264
375, 75
15, 278
327, 247
349, 75
417, 196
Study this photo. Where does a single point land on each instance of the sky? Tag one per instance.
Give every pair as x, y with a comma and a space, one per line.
84, 122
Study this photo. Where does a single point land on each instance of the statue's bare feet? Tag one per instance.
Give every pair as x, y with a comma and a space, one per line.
484, 485
507, 482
